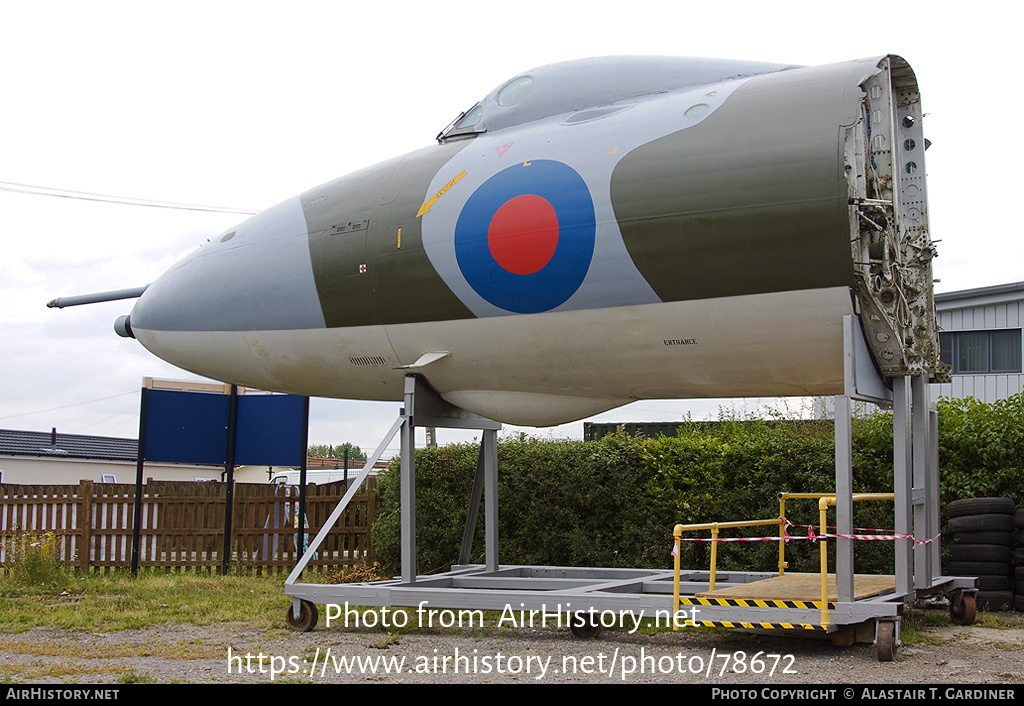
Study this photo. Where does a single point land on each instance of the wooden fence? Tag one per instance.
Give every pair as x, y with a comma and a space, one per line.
89, 525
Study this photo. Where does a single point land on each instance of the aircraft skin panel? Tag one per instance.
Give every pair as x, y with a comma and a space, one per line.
256, 275
567, 161
366, 246
582, 84
550, 368
590, 233
709, 194
754, 199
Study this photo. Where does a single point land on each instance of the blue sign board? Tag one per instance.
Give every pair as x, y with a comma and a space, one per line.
193, 427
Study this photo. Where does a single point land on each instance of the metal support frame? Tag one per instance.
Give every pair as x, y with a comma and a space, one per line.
475, 497
423, 407
557, 591
902, 483
919, 432
915, 471
863, 383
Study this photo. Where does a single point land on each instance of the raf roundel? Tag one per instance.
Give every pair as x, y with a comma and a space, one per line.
525, 238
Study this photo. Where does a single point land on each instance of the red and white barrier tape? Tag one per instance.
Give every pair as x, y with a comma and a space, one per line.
811, 535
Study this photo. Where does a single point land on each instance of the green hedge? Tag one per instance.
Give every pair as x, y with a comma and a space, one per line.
615, 501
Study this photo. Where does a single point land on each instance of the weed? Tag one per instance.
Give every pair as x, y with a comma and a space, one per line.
132, 677
392, 639
356, 574
34, 559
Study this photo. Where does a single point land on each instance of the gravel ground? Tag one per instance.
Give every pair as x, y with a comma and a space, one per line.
200, 654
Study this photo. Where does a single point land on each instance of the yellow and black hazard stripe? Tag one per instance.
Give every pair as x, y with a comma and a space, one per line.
761, 626
754, 603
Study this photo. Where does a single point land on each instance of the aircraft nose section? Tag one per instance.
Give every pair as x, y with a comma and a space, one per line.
256, 277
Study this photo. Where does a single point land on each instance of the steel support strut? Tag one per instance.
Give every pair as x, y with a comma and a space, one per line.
424, 407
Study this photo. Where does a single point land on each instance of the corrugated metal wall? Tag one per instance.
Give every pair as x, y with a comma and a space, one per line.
989, 387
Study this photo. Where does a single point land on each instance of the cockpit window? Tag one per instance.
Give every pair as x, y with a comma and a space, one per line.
587, 89
464, 125
515, 91
470, 119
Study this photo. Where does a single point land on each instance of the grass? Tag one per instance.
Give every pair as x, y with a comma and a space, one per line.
116, 601
913, 631
386, 642
131, 677
38, 671
98, 602
918, 627
193, 649
1001, 621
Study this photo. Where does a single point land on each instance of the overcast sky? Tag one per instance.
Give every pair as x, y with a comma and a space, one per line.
244, 104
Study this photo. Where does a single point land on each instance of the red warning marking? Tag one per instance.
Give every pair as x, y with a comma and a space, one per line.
502, 149
523, 234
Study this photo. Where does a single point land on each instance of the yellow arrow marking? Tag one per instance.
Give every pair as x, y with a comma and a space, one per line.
427, 204
614, 151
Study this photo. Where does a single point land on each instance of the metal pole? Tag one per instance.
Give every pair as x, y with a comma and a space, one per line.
844, 499
302, 476
137, 509
902, 483
229, 468
932, 464
489, 445
921, 492
475, 496
342, 504
407, 480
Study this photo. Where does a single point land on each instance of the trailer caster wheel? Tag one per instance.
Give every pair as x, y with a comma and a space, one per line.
308, 615
885, 641
965, 612
583, 628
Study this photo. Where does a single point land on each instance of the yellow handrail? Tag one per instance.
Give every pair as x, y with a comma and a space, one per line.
824, 501
823, 504
714, 527
783, 497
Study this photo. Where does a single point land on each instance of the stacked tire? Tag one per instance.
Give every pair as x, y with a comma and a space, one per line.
1018, 560
981, 544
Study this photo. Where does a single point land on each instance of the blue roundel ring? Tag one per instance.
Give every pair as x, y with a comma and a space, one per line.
551, 285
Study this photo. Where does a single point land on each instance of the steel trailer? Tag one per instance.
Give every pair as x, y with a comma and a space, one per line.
858, 608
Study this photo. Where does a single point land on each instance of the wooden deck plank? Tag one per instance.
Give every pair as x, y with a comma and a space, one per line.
804, 587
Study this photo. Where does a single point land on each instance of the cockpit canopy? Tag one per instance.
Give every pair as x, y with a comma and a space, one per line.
587, 83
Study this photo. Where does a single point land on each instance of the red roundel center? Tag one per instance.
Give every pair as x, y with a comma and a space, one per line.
523, 234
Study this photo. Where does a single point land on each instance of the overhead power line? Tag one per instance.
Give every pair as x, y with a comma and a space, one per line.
68, 406
108, 198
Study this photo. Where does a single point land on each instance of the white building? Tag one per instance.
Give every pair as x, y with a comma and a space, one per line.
35, 457
980, 336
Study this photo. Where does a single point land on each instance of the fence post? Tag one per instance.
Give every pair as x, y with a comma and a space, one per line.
84, 522
180, 524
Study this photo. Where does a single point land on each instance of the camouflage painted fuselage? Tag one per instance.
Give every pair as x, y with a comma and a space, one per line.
591, 233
